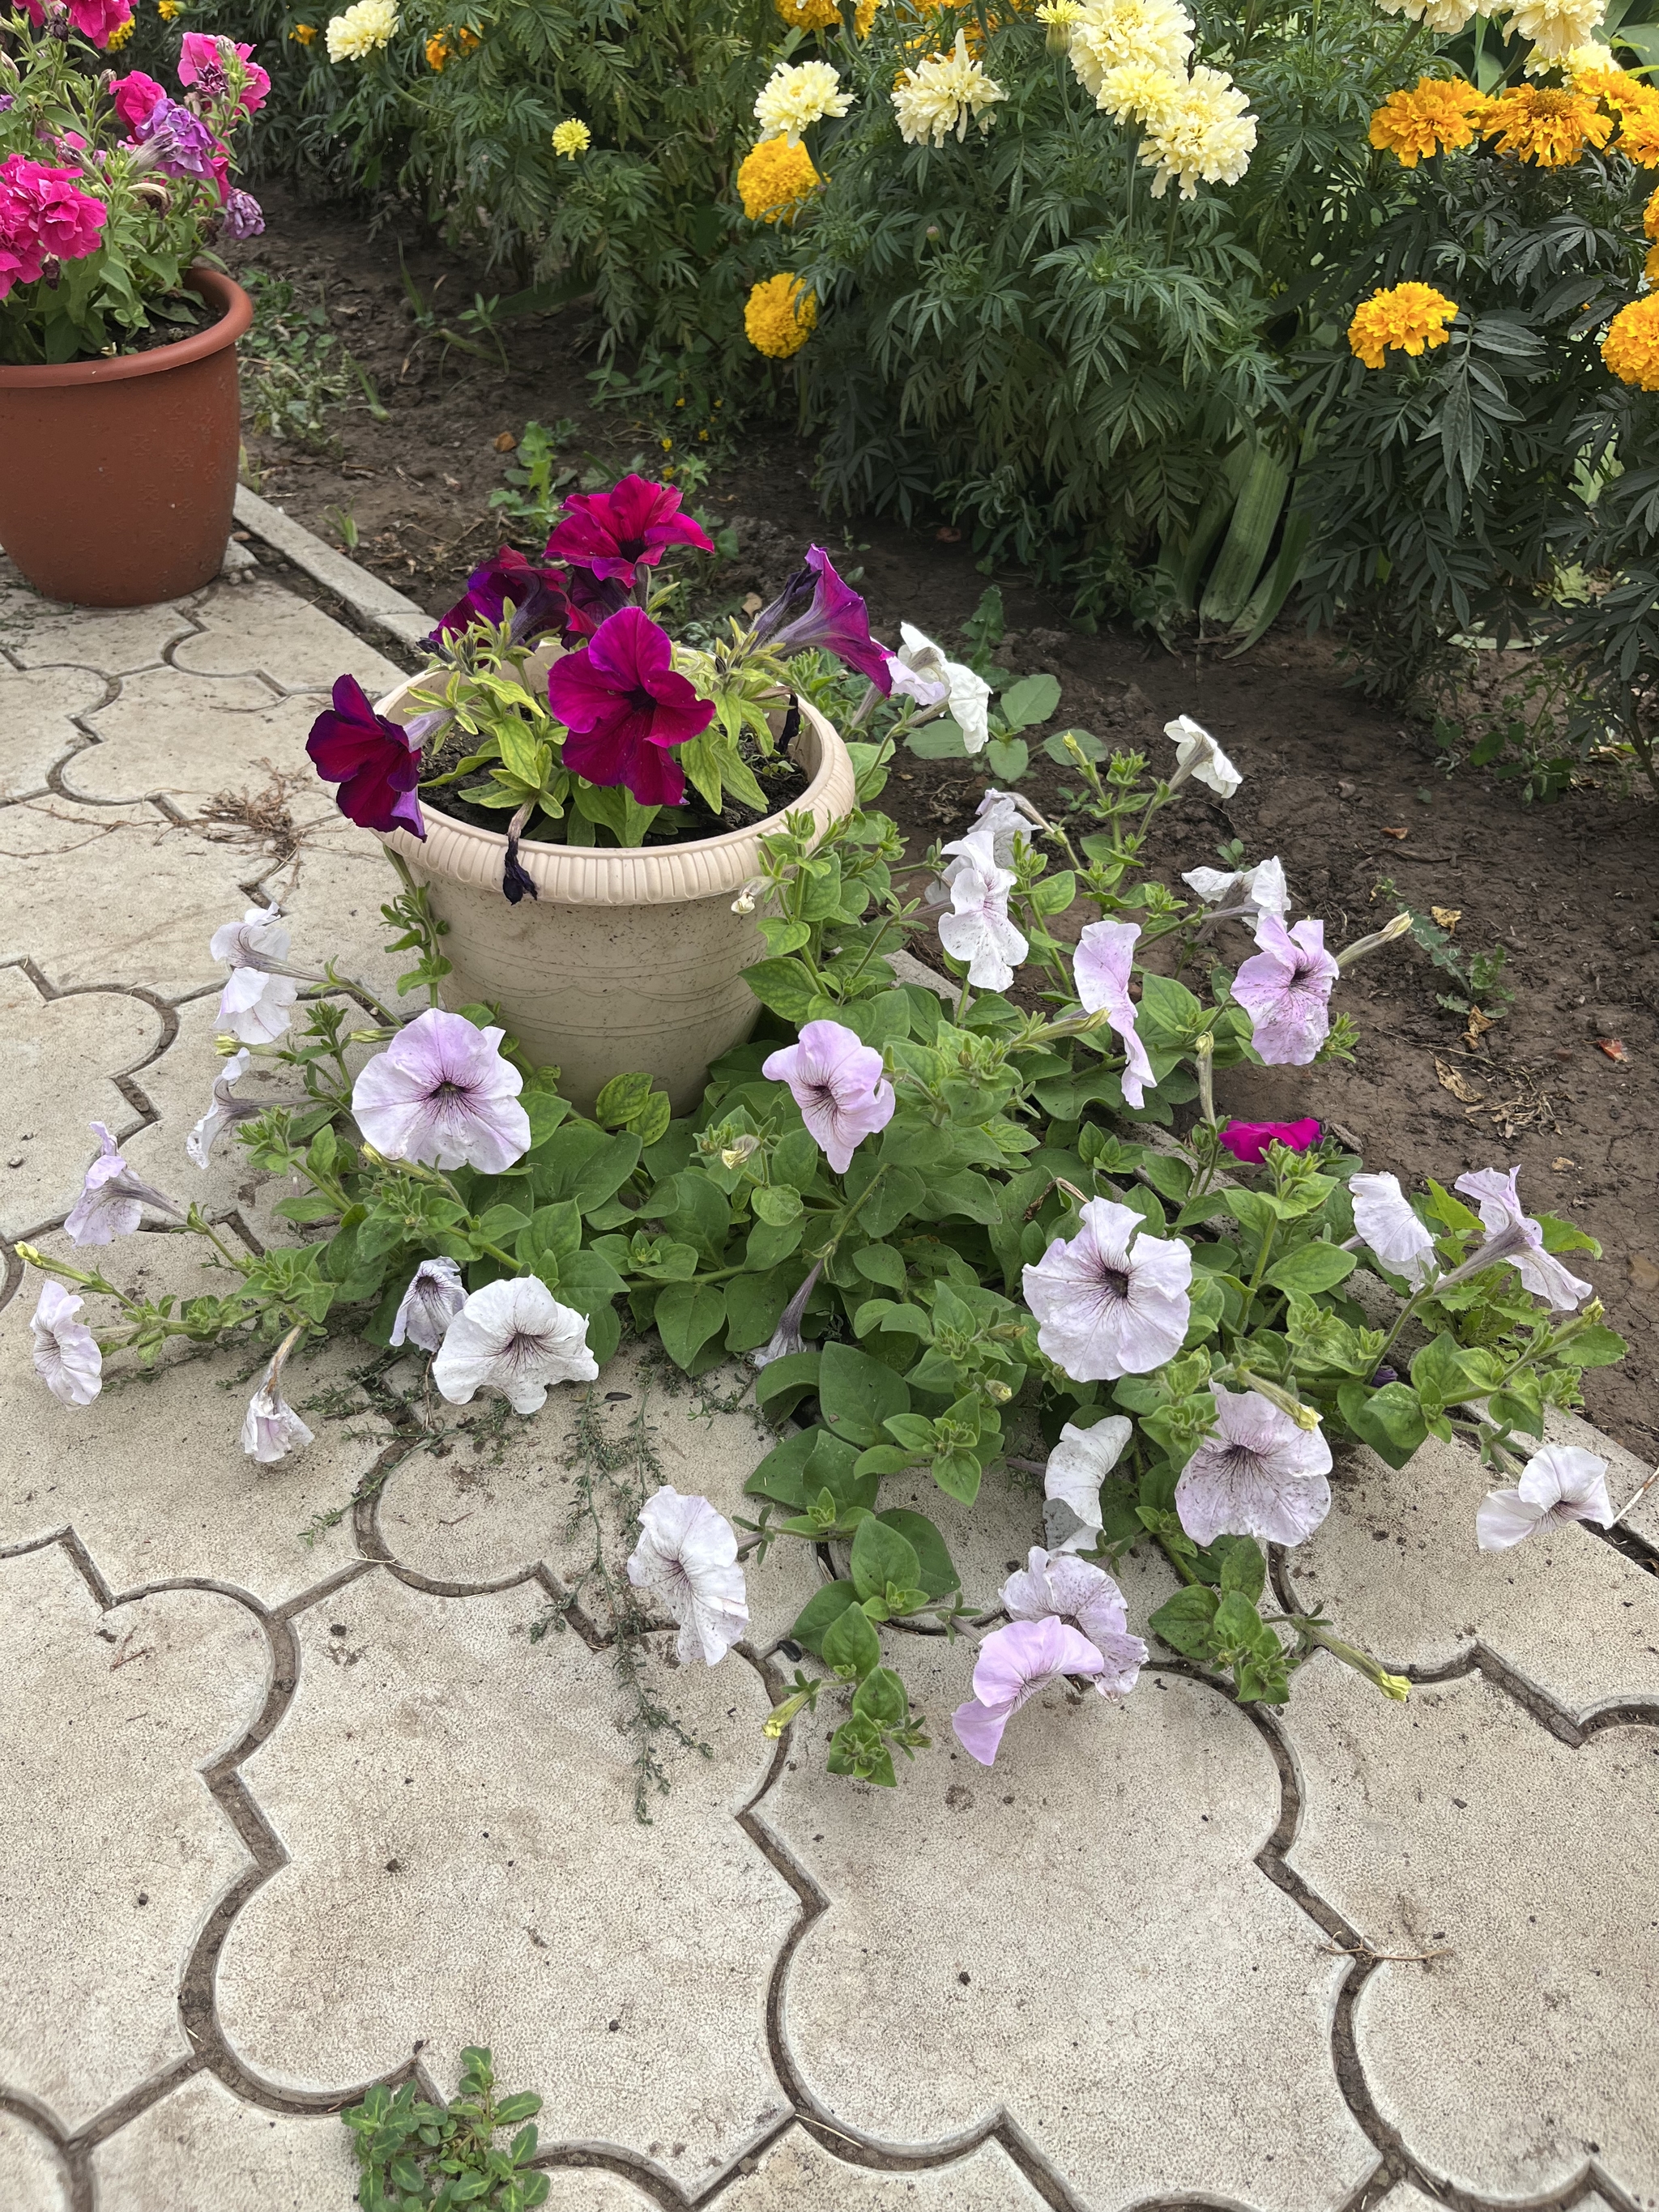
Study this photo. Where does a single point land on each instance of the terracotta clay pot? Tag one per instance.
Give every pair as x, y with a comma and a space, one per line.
118, 476
628, 958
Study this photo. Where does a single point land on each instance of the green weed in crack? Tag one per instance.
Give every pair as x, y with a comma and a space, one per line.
409, 1415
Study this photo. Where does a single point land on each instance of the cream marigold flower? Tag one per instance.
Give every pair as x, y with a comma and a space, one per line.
1438, 117
1446, 16
571, 140
1135, 91
1550, 128
362, 30
943, 95
1108, 34
779, 316
1205, 132
796, 94
1593, 60
1407, 316
1630, 347
1554, 28
774, 177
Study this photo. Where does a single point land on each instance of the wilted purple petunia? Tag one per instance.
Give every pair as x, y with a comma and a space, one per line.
1286, 989
270, 1427
441, 1095
1248, 1141
1517, 1237
1245, 892
66, 1355
224, 1110
257, 1004
1054, 1586
1384, 1218
376, 764
513, 1336
616, 533
1260, 1476
435, 1295
537, 595
1014, 1665
111, 1200
1114, 1301
1100, 971
816, 608
1561, 1483
977, 929
786, 1338
688, 1554
837, 1083
1077, 1467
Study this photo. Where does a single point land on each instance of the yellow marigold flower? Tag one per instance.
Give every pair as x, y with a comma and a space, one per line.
809, 14
1550, 128
571, 140
437, 51
118, 36
1438, 118
304, 33
1638, 132
779, 316
774, 177
1651, 266
1407, 316
1630, 347
1651, 218
166, 10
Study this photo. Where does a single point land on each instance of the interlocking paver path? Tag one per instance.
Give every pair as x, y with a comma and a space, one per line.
279, 1817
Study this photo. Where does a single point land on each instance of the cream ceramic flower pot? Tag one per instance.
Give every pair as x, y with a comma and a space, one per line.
628, 958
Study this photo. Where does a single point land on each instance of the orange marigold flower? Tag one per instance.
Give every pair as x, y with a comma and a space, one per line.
437, 51
1651, 266
1407, 316
1630, 347
1438, 117
1550, 127
772, 180
1638, 132
1651, 218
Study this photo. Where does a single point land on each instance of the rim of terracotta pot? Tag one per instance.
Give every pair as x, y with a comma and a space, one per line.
630, 875
235, 315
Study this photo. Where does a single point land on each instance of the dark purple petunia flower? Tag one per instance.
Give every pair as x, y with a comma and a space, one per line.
376, 764
593, 600
816, 608
623, 704
537, 596
615, 532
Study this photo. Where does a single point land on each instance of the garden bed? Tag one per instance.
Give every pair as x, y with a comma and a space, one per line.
1564, 889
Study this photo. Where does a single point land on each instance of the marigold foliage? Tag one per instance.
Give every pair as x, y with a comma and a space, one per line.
1438, 117
780, 316
1552, 128
1630, 347
1651, 218
1407, 317
774, 178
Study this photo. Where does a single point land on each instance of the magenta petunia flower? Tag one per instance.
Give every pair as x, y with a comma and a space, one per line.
97, 20
1055, 1586
537, 596
816, 608
441, 1095
1113, 1300
1260, 1475
1249, 1140
593, 600
625, 705
375, 762
837, 1083
211, 62
1101, 968
1517, 1237
1286, 989
616, 533
44, 217
1015, 1664
136, 96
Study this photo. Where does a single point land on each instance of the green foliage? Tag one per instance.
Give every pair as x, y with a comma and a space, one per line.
292, 376
422, 2157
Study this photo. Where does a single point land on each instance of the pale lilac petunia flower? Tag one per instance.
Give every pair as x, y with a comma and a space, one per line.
786, 1339
1055, 1586
688, 1554
1014, 1665
1100, 967
1286, 989
1077, 1467
271, 1428
1560, 1483
1002, 818
224, 1110
920, 669
111, 1200
1514, 1236
1198, 754
257, 1002
977, 929
1260, 1476
435, 1295
1244, 893
837, 1083
513, 1335
442, 1094
66, 1355
1384, 1218
1114, 1301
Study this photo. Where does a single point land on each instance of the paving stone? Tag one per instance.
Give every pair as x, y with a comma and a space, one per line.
1457, 1822
1078, 1938
466, 1865
333, 898
1406, 2198
116, 640
1396, 1567
32, 2178
35, 729
58, 1060
108, 1895
593, 2189
201, 2149
260, 628
192, 737
799, 2175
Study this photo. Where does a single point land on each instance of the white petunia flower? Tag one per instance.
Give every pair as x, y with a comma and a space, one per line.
224, 1110
688, 1554
798, 93
1259, 1476
1101, 968
1246, 894
921, 670
1384, 1218
66, 1355
258, 1003
515, 1337
1198, 754
1560, 1483
1514, 1236
1077, 1467
943, 94
1113, 1300
977, 929
112, 1200
435, 1295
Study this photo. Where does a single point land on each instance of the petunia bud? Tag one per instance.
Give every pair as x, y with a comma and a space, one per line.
735, 1154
